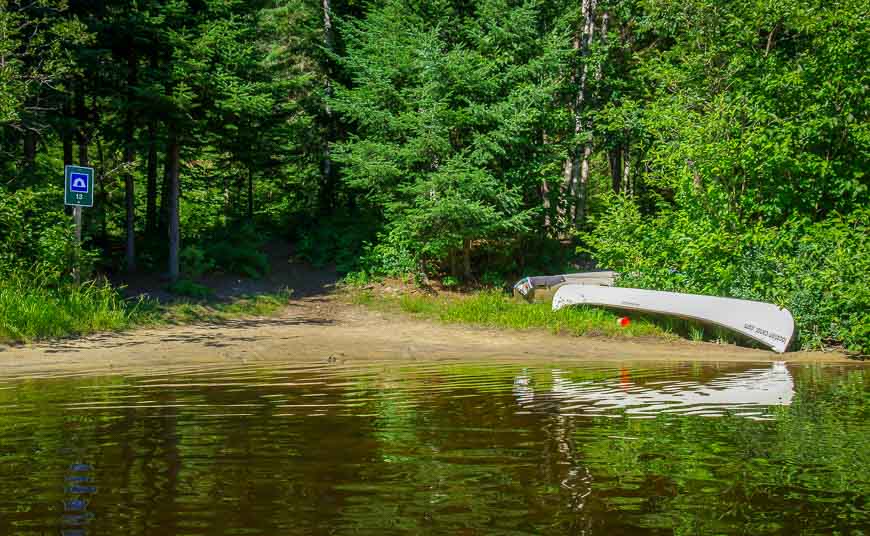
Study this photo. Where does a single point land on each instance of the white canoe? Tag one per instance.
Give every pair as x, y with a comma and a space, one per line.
541, 287
764, 322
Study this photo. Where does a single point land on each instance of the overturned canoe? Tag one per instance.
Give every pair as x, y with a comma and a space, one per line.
764, 322
539, 288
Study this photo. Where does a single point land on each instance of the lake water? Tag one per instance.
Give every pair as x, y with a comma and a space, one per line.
445, 447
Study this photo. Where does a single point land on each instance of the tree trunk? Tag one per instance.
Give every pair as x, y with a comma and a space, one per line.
130, 206
129, 157
615, 157
577, 173
626, 169
572, 166
172, 156
580, 215
29, 148
100, 202
466, 259
326, 193
81, 134
163, 214
67, 149
567, 187
250, 196
696, 177
151, 182
545, 201
67, 135
545, 191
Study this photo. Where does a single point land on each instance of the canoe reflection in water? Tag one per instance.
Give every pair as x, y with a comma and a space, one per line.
747, 393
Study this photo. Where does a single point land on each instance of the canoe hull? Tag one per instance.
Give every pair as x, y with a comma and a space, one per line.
766, 323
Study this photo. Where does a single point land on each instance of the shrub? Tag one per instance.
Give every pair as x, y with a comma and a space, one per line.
815, 269
342, 239
194, 262
238, 252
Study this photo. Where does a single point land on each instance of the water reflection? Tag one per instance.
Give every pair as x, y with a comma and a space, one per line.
749, 393
79, 487
422, 447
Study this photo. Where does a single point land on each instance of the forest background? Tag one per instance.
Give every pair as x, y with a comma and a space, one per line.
707, 146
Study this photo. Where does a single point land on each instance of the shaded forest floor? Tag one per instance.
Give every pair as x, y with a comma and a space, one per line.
285, 272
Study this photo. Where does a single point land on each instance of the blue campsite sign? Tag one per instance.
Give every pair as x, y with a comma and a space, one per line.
78, 186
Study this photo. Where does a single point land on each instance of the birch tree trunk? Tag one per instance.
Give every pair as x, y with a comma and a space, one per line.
583, 179
576, 168
163, 213
545, 202
545, 191
327, 190
626, 169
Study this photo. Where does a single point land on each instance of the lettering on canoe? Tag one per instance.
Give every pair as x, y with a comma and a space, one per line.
763, 332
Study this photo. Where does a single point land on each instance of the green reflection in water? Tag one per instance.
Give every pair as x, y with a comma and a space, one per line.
439, 447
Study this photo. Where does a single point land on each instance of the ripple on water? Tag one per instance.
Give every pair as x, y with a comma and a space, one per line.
448, 446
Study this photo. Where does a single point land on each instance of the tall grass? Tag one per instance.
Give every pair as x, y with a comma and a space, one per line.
32, 307
494, 309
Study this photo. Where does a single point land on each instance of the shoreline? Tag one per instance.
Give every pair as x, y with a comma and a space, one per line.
328, 329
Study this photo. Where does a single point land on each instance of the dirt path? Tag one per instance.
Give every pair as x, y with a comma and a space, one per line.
314, 329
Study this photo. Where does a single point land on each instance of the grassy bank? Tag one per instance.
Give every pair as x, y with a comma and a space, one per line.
32, 310
497, 310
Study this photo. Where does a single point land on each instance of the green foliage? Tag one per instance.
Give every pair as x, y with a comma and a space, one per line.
816, 270
239, 258
450, 281
194, 262
763, 104
238, 252
493, 279
36, 236
35, 38
342, 239
444, 121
